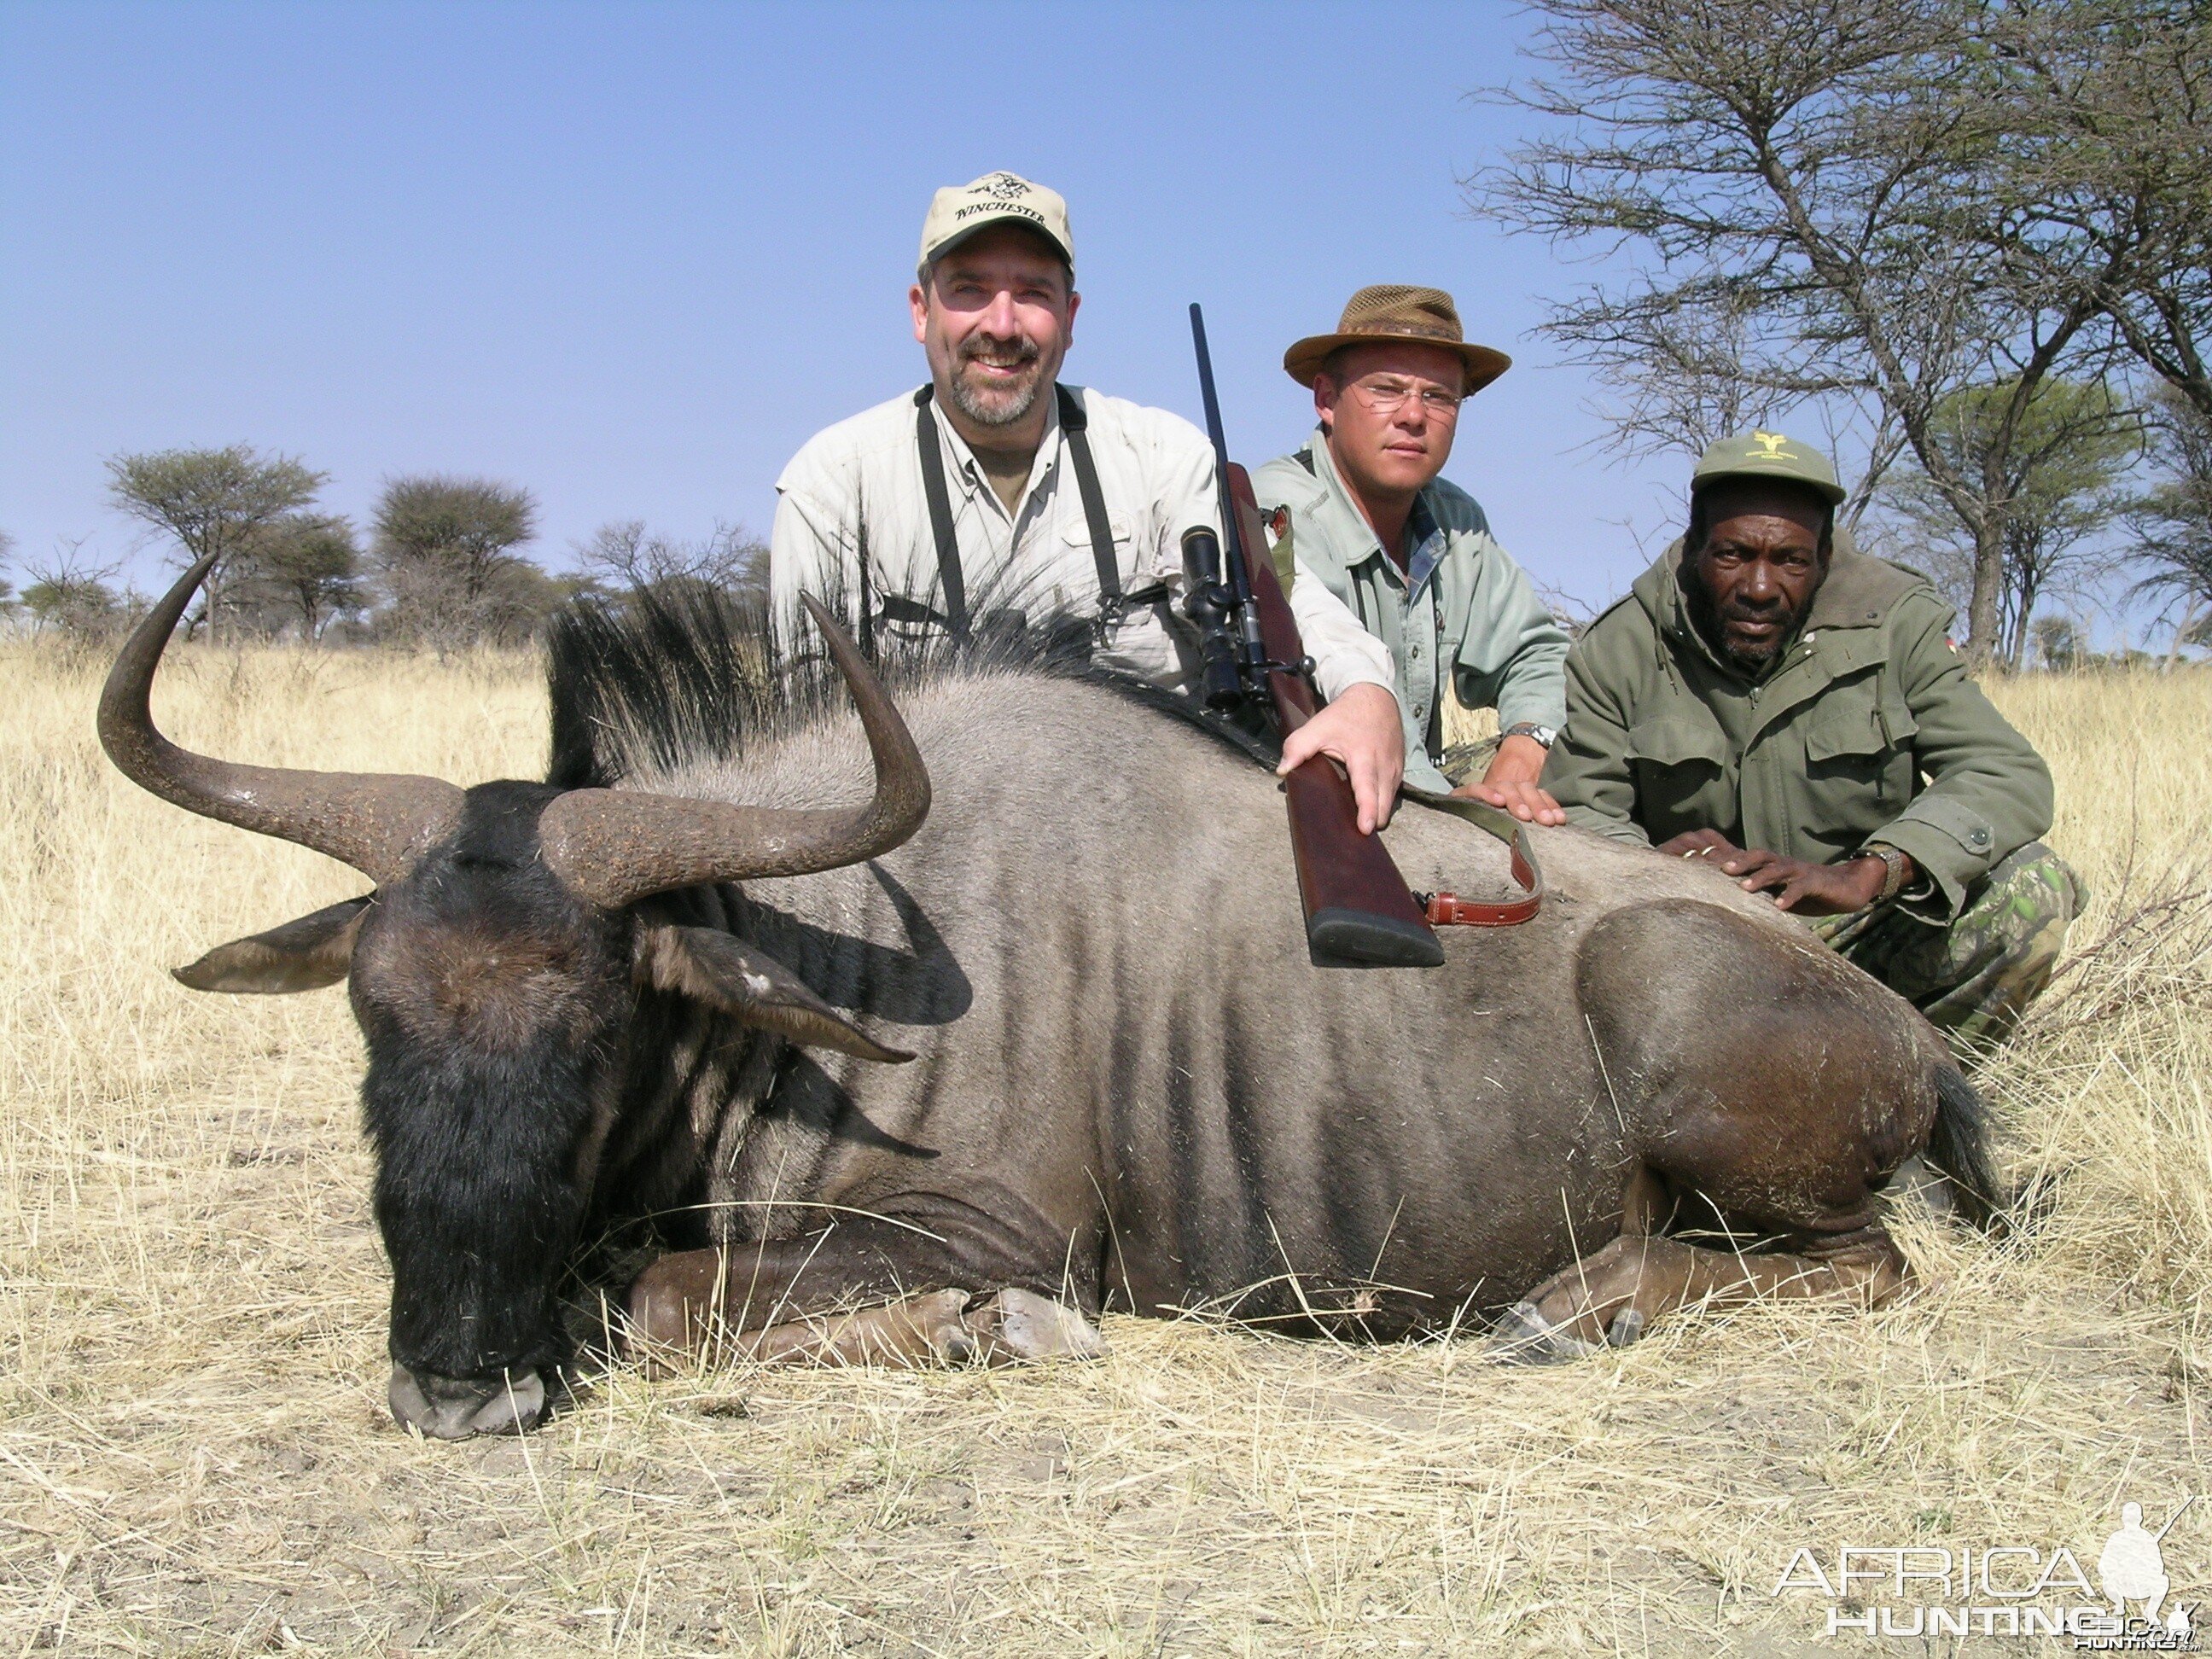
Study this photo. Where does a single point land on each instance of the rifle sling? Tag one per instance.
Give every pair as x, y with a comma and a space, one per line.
1448, 909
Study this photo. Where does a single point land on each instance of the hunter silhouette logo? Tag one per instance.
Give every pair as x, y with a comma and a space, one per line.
1769, 446
2132, 1568
1006, 187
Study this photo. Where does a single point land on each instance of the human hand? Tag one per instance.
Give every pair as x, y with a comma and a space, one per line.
1363, 733
1707, 844
1510, 783
1812, 890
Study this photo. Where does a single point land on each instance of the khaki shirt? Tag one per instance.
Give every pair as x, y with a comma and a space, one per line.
1865, 728
859, 484
1461, 616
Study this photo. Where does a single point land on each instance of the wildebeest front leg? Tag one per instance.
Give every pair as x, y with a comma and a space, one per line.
843, 1297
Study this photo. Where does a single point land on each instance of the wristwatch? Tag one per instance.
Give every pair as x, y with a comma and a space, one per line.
1892, 868
1546, 736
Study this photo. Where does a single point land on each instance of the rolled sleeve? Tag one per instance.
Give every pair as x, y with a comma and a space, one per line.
1513, 654
1989, 793
1344, 653
1588, 772
814, 544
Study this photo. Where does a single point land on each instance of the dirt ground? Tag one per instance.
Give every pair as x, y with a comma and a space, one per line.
195, 1457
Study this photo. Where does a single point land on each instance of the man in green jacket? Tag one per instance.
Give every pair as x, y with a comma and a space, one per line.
1412, 555
1772, 700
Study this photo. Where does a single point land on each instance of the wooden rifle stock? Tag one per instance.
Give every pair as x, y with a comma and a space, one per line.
1359, 911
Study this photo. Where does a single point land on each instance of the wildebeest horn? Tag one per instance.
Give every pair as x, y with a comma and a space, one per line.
379, 825
614, 845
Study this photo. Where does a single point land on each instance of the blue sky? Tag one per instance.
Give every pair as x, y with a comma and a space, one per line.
631, 256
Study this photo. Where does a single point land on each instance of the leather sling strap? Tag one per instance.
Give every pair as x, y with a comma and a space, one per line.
951, 580
1448, 909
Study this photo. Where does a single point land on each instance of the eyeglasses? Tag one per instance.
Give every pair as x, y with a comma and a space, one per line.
1386, 397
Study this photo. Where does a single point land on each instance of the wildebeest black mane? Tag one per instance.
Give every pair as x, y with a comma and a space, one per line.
663, 677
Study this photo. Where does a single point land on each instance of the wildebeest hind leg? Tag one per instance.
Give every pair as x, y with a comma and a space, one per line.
1611, 1297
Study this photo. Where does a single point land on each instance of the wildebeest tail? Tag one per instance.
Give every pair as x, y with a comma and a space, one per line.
1959, 1145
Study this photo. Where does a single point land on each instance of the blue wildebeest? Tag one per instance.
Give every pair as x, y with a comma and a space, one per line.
622, 993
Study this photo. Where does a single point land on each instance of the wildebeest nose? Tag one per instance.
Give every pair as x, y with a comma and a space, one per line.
446, 1409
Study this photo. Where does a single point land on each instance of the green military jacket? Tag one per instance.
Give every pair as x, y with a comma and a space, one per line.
1864, 728
1462, 614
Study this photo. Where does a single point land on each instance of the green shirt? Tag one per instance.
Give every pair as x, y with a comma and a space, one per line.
1864, 728
1460, 604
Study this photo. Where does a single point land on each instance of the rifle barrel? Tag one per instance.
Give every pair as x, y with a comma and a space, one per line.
1252, 655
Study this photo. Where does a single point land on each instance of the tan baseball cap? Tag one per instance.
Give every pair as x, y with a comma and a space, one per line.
1394, 311
958, 212
1768, 455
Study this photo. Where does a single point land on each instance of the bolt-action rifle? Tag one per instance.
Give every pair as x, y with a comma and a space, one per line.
1358, 912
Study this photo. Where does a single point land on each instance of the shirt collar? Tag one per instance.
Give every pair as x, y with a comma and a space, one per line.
1048, 455
1424, 530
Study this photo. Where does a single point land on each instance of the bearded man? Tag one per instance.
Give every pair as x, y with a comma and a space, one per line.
996, 484
1774, 702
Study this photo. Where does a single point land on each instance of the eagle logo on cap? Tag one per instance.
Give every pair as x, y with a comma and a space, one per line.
1006, 186
1769, 446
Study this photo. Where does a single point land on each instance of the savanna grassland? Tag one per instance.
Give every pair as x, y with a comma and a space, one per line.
195, 1455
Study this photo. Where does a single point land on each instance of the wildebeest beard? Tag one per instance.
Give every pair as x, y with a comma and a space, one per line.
492, 1004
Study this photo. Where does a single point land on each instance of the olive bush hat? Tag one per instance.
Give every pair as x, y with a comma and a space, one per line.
1391, 310
1768, 455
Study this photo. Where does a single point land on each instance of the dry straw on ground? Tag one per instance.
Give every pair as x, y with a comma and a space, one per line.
195, 1458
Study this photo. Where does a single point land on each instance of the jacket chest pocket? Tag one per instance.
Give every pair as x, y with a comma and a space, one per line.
1075, 531
1860, 771
1682, 781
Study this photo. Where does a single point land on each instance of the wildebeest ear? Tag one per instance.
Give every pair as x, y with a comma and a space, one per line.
715, 968
304, 955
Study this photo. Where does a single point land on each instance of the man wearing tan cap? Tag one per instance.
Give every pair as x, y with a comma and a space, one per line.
993, 486
1411, 554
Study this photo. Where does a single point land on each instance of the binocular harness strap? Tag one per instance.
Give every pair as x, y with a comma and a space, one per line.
951, 580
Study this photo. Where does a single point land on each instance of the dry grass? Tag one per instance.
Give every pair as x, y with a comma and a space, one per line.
195, 1458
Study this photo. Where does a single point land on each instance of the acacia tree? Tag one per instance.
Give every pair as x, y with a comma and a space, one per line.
71, 596
2173, 519
625, 555
304, 567
2065, 462
1811, 176
2104, 168
444, 549
212, 501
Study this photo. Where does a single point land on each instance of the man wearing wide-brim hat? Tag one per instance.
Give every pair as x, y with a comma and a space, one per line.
1411, 554
993, 488
1772, 702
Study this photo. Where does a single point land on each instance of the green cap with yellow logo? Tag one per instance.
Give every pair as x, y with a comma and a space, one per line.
1768, 455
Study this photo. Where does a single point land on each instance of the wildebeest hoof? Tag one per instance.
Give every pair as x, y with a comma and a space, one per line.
1525, 1337
444, 1409
1018, 1324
